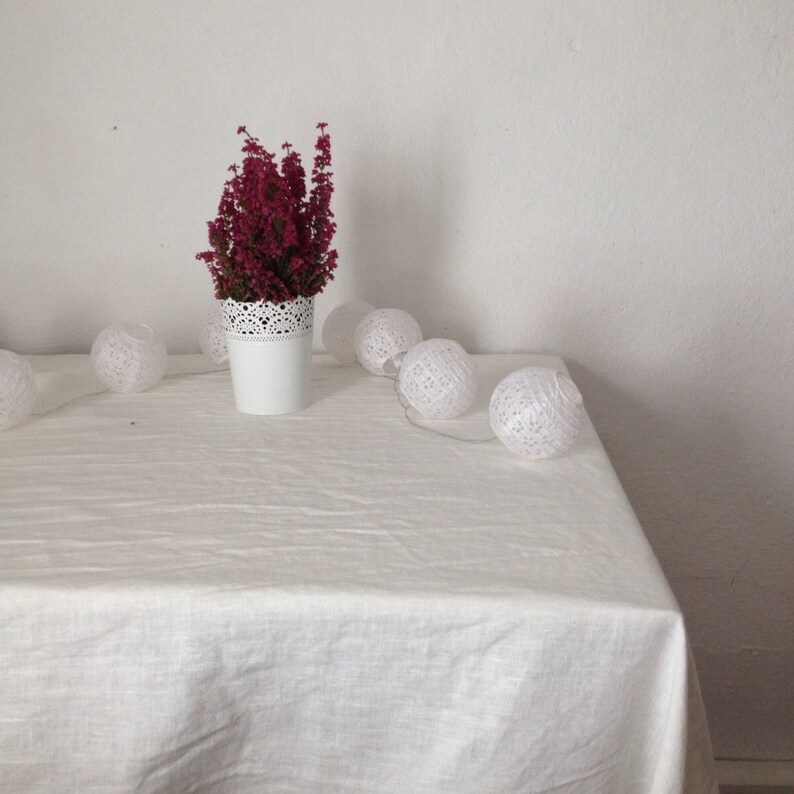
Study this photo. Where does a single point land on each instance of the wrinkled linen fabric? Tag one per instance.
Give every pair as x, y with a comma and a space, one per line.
196, 600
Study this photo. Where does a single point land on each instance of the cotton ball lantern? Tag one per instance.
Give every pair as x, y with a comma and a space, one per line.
129, 358
438, 379
339, 329
383, 337
212, 339
537, 412
17, 389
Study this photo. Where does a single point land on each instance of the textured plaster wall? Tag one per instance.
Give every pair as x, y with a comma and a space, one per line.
611, 181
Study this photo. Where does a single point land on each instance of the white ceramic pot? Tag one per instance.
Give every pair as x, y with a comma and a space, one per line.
270, 354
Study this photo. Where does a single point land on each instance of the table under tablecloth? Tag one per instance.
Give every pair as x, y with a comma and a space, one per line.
338, 600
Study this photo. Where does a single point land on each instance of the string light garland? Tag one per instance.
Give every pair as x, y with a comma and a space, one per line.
536, 412
129, 358
438, 379
212, 339
17, 389
383, 337
339, 330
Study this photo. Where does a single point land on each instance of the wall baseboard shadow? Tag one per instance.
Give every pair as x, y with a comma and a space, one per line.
756, 789
778, 776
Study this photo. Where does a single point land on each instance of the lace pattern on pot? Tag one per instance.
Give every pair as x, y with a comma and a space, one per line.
269, 322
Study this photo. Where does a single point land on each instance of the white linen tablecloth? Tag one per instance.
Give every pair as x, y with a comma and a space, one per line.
195, 600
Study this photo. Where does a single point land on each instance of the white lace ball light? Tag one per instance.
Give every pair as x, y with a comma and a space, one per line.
537, 412
383, 337
438, 379
339, 329
17, 389
212, 339
129, 358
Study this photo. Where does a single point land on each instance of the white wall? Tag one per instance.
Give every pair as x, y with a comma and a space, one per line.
611, 181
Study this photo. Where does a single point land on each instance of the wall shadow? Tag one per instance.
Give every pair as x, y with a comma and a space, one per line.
721, 527
403, 213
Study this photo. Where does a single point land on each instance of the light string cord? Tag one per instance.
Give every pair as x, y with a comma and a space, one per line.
406, 409
105, 389
432, 430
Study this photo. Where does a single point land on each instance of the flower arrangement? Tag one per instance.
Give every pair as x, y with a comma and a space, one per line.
271, 241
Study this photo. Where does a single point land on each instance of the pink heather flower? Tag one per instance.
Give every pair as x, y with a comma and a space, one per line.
270, 241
